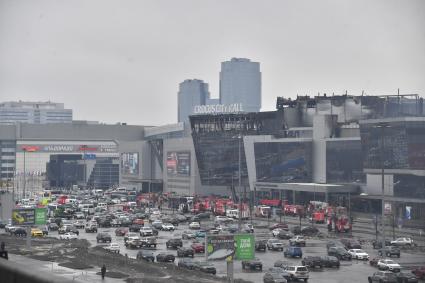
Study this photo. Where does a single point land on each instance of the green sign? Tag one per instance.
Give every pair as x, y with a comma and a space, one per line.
245, 246
40, 216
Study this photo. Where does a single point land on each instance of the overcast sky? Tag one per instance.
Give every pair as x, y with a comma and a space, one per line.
122, 61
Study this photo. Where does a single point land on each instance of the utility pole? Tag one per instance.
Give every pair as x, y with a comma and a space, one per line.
239, 185
25, 174
383, 126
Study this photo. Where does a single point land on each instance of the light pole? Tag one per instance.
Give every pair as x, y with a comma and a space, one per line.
239, 184
382, 126
25, 174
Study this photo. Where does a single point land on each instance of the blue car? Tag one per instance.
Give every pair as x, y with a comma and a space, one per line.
200, 234
293, 252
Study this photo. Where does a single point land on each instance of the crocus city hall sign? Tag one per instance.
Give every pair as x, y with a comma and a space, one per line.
218, 108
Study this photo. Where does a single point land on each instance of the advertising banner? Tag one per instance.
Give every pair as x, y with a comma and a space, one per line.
178, 164
40, 216
245, 247
408, 212
387, 208
130, 163
220, 246
23, 216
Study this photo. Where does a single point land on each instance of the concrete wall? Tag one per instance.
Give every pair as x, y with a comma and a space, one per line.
374, 184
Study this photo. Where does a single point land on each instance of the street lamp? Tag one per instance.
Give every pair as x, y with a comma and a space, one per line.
382, 126
239, 183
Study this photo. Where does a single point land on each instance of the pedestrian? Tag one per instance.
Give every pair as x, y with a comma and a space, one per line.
2, 246
103, 271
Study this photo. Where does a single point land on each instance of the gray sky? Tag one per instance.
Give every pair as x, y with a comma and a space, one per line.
123, 60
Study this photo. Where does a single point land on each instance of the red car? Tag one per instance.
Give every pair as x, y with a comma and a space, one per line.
198, 247
139, 221
419, 272
121, 231
282, 226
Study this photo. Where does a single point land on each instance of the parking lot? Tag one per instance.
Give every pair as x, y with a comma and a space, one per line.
350, 271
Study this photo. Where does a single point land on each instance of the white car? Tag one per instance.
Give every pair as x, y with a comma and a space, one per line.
146, 231
113, 247
358, 254
276, 231
388, 264
168, 227
402, 242
194, 225
68, 236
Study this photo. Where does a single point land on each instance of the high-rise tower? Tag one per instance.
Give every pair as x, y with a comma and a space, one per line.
191, 93
240, 82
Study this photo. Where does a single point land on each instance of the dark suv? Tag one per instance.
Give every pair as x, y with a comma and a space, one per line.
185, 252
260, 246
103, 237
389, 251
339, 253
351, 244
253, 264
378, 244
145, 255
330, 261
312, 262
174, 243
293, 252
383, 276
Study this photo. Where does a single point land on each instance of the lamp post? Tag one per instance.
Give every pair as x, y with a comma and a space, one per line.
239, 184
382, 126
25, 174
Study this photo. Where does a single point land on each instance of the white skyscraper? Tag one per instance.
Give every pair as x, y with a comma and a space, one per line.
191, 93
34, 112
240, 82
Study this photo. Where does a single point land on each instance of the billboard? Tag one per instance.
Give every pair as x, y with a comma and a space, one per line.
178, 164
130, 163
220, 246
245, 246
40, 216
23, 216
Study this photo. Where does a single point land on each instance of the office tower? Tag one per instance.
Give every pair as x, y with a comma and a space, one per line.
191, 93
240, 82
34, 112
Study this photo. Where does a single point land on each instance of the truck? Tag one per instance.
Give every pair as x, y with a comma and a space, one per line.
234, 213
262, 211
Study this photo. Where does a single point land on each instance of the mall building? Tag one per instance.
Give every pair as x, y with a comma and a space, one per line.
326, 148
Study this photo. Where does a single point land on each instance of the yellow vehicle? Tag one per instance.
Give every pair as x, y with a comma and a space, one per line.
35, 232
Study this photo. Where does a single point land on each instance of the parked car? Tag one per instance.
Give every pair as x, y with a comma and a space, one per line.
103, 237
330, 261
129, 235
339, 253
186, 263
248, 228
334, 243
186, 235
146, 231
167, 227
68, 236
402, 242
419, 272
383, 277
406, 277
351, 244
198, 247
253, 264
281, 271
374, 261
18, 232
274, 244
133, 242
282, 226
91, 227
36, 232
80, 224
165, 257
121, 231
293, 252
284, 235
358, 254
389, 251
272, 277
148, 242
378, 244
205, 266
260, 246
298, 272
174, 243
134, 228
388, 264
185, 252
312, 262
145, 255
113, 247
297, 241
276, 231
194, 225
53, 227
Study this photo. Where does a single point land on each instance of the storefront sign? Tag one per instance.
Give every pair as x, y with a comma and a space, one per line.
40, 216
218, 108
408, 212
74, 148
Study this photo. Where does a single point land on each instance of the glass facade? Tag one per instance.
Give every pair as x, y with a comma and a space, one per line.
105, 174
344, 161
402, 145
283, 161
409, 186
